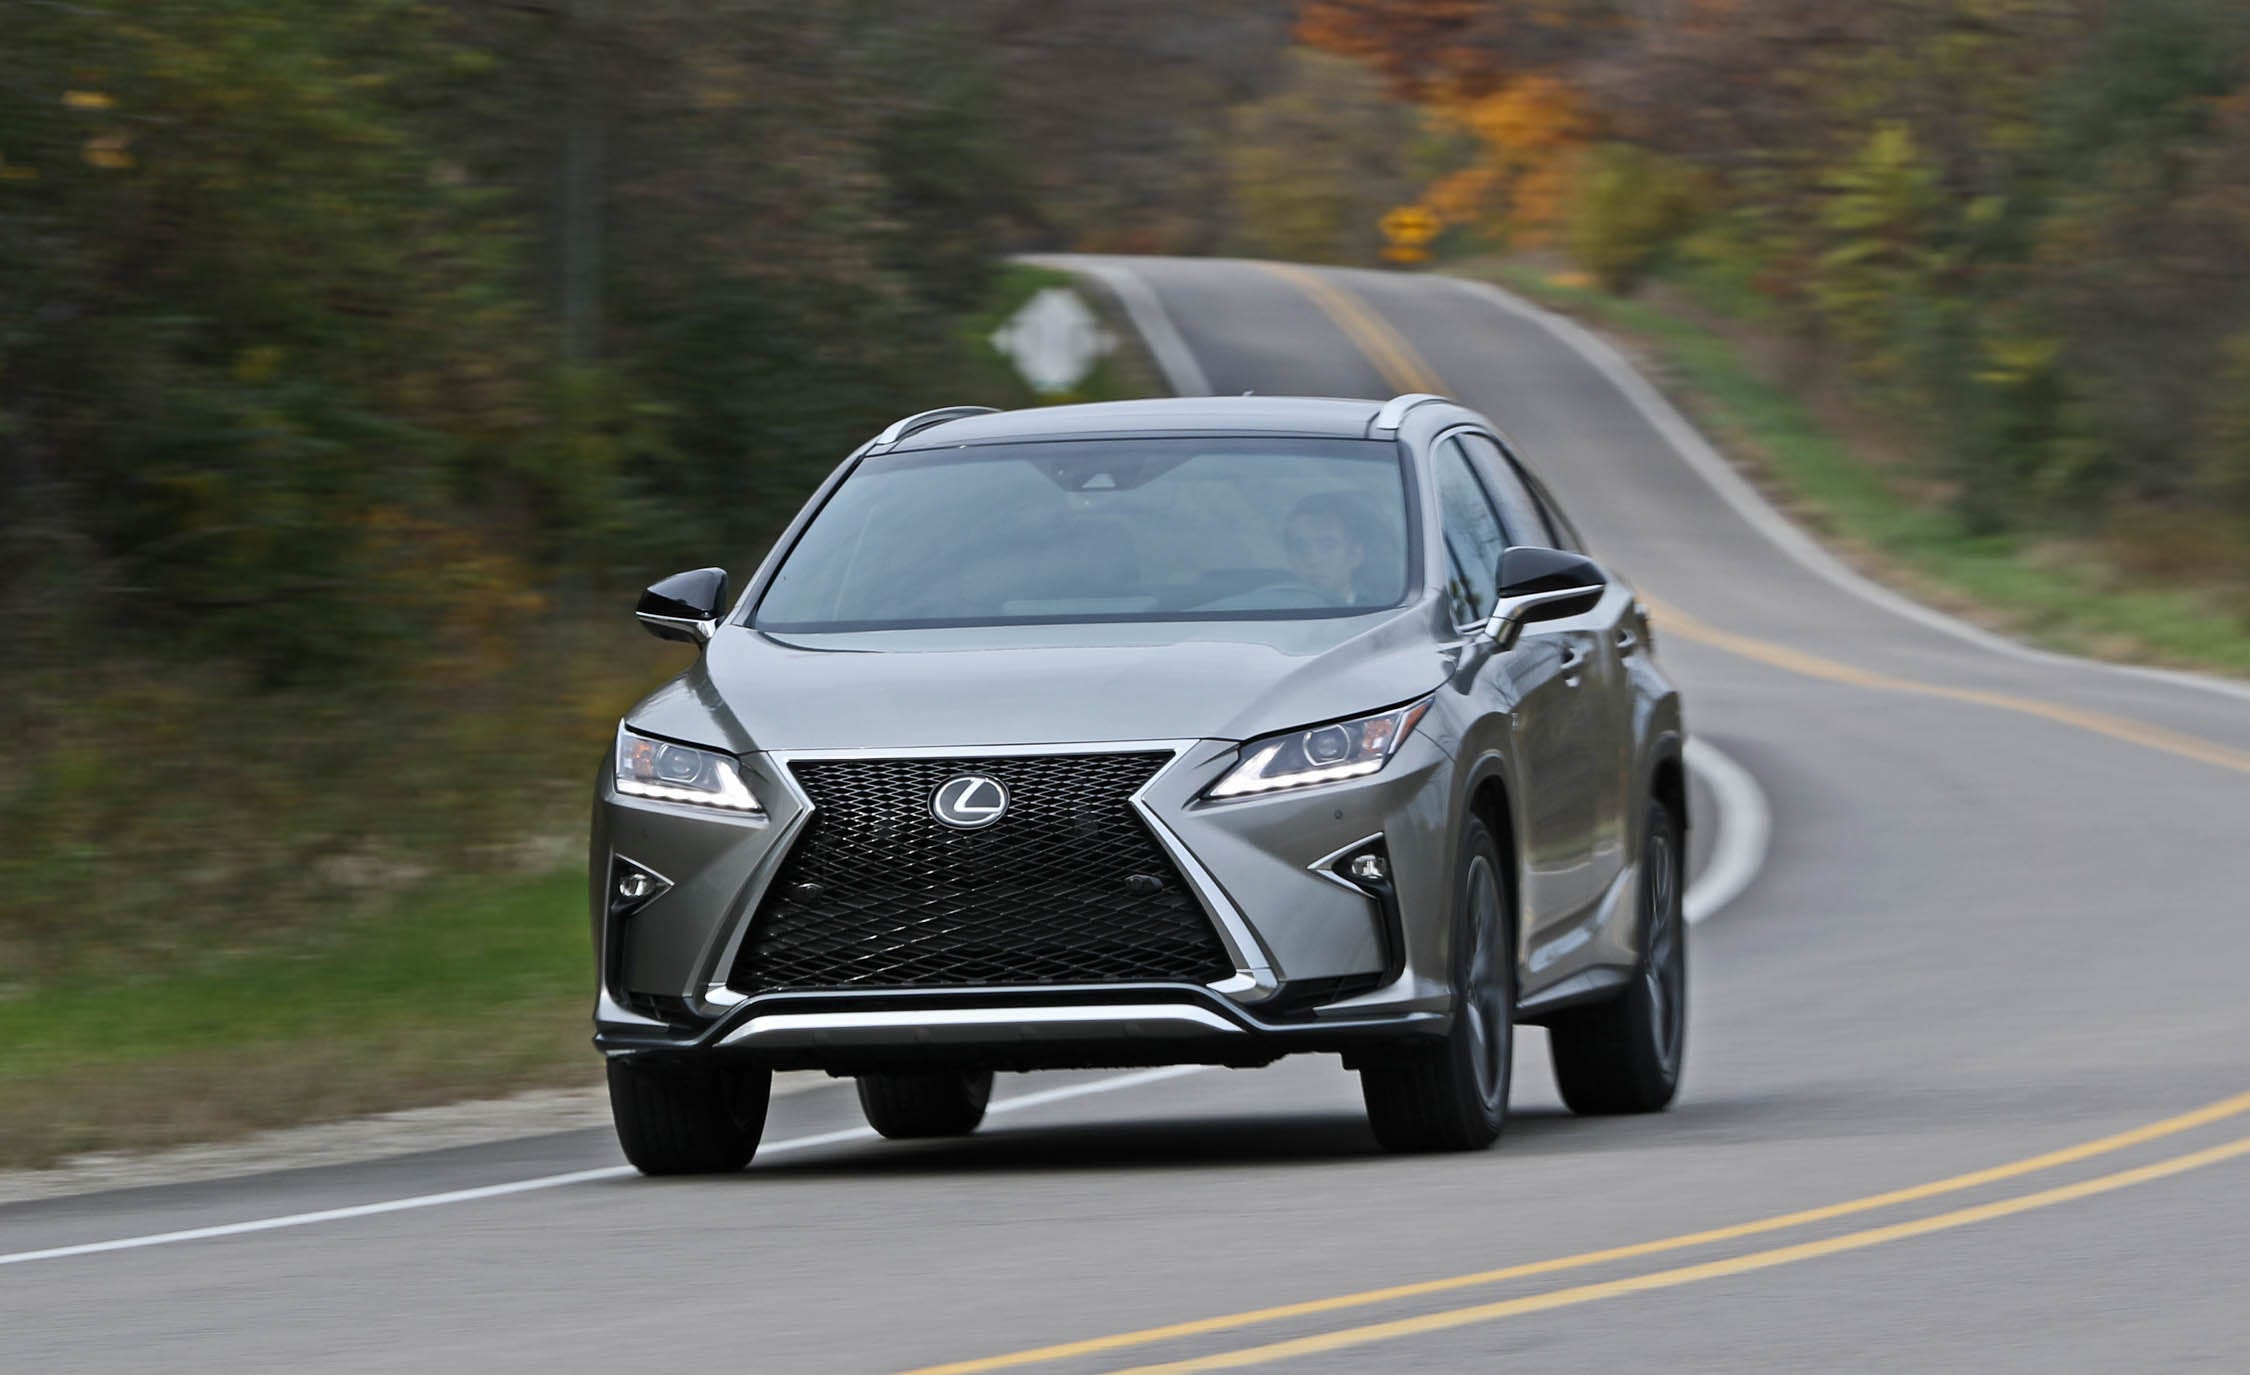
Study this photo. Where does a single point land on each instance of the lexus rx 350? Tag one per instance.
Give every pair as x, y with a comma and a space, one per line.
1182, 731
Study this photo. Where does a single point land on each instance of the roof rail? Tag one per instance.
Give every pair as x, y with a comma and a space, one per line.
1394, 410
922, 420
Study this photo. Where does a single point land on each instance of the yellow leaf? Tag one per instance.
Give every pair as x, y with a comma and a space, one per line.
107, 152
87, 100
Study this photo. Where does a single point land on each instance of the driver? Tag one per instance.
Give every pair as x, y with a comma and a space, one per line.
1326, 545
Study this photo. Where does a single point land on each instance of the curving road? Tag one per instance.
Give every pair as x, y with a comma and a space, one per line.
1969, 1081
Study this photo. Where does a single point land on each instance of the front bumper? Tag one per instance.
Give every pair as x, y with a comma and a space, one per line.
1320, 964
1017, 1029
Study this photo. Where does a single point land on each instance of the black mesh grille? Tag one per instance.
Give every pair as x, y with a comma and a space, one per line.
1067, 887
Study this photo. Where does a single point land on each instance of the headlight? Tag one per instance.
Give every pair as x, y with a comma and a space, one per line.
1322, 754
677, 773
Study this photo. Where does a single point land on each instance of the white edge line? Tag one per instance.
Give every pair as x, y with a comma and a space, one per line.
1698, 453
556, 1181
1745, 826
1182, 373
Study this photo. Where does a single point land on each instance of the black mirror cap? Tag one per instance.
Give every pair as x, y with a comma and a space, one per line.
1528, 568
673, 606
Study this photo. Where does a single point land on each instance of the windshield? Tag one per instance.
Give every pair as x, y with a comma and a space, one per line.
1114, 529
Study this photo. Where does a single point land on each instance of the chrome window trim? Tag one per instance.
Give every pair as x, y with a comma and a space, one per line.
1253, 979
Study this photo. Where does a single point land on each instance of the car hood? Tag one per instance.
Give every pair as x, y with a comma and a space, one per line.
1029, 685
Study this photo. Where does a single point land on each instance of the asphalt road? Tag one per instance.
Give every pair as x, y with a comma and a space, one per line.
2003, 914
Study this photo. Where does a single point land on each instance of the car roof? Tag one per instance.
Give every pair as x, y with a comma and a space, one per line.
1298, 415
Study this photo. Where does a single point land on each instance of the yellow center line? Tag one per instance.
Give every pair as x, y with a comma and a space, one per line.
1402, 368
1692, 1274
2203, 1116
1672, 620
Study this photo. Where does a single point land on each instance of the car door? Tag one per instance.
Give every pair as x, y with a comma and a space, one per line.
1537, 682
1603, 637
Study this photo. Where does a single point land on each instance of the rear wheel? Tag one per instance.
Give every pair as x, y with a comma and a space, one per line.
1452, 1094
940, 1103
688, 1119
1624, 1054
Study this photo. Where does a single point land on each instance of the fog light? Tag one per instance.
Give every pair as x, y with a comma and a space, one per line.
633, 885
1368, 868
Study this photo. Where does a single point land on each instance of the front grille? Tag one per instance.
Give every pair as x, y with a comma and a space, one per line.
1068, 886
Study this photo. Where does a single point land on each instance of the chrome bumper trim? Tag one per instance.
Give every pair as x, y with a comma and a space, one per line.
891, 1027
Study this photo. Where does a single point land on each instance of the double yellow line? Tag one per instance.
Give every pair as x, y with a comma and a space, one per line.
1366, 1334
1383, 347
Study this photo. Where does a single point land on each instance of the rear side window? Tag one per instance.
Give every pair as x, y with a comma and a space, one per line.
1473, 538
1520, 512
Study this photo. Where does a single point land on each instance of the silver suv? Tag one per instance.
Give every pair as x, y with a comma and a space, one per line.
1181, 731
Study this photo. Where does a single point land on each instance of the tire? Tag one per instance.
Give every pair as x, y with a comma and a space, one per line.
1624, 1054
1452, 1094
907, 1107
688, 1119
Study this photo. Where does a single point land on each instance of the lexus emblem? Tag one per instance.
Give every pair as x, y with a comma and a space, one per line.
970, 802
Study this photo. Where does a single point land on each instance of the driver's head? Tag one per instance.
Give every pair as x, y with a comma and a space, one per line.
1326, 546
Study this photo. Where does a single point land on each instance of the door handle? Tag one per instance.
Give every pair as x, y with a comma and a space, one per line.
1627, 641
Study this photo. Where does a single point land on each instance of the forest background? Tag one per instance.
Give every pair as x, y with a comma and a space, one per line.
360, 358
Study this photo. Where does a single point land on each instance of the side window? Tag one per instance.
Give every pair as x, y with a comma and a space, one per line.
1566, 534
1473, 538
1519, 510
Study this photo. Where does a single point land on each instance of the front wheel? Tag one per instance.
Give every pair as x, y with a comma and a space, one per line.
688, 1118
1624, 1054
1452, 1094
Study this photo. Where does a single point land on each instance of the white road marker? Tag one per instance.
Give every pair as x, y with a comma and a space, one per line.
556, 1181
1745, 827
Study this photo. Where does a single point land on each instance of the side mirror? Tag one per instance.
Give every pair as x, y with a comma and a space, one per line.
1542, 585
685, 606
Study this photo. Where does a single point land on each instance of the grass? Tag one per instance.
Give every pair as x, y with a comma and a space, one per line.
454, 992
319, 909
2081, 596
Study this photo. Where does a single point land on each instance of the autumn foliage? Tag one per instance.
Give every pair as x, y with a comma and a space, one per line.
2025, 224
